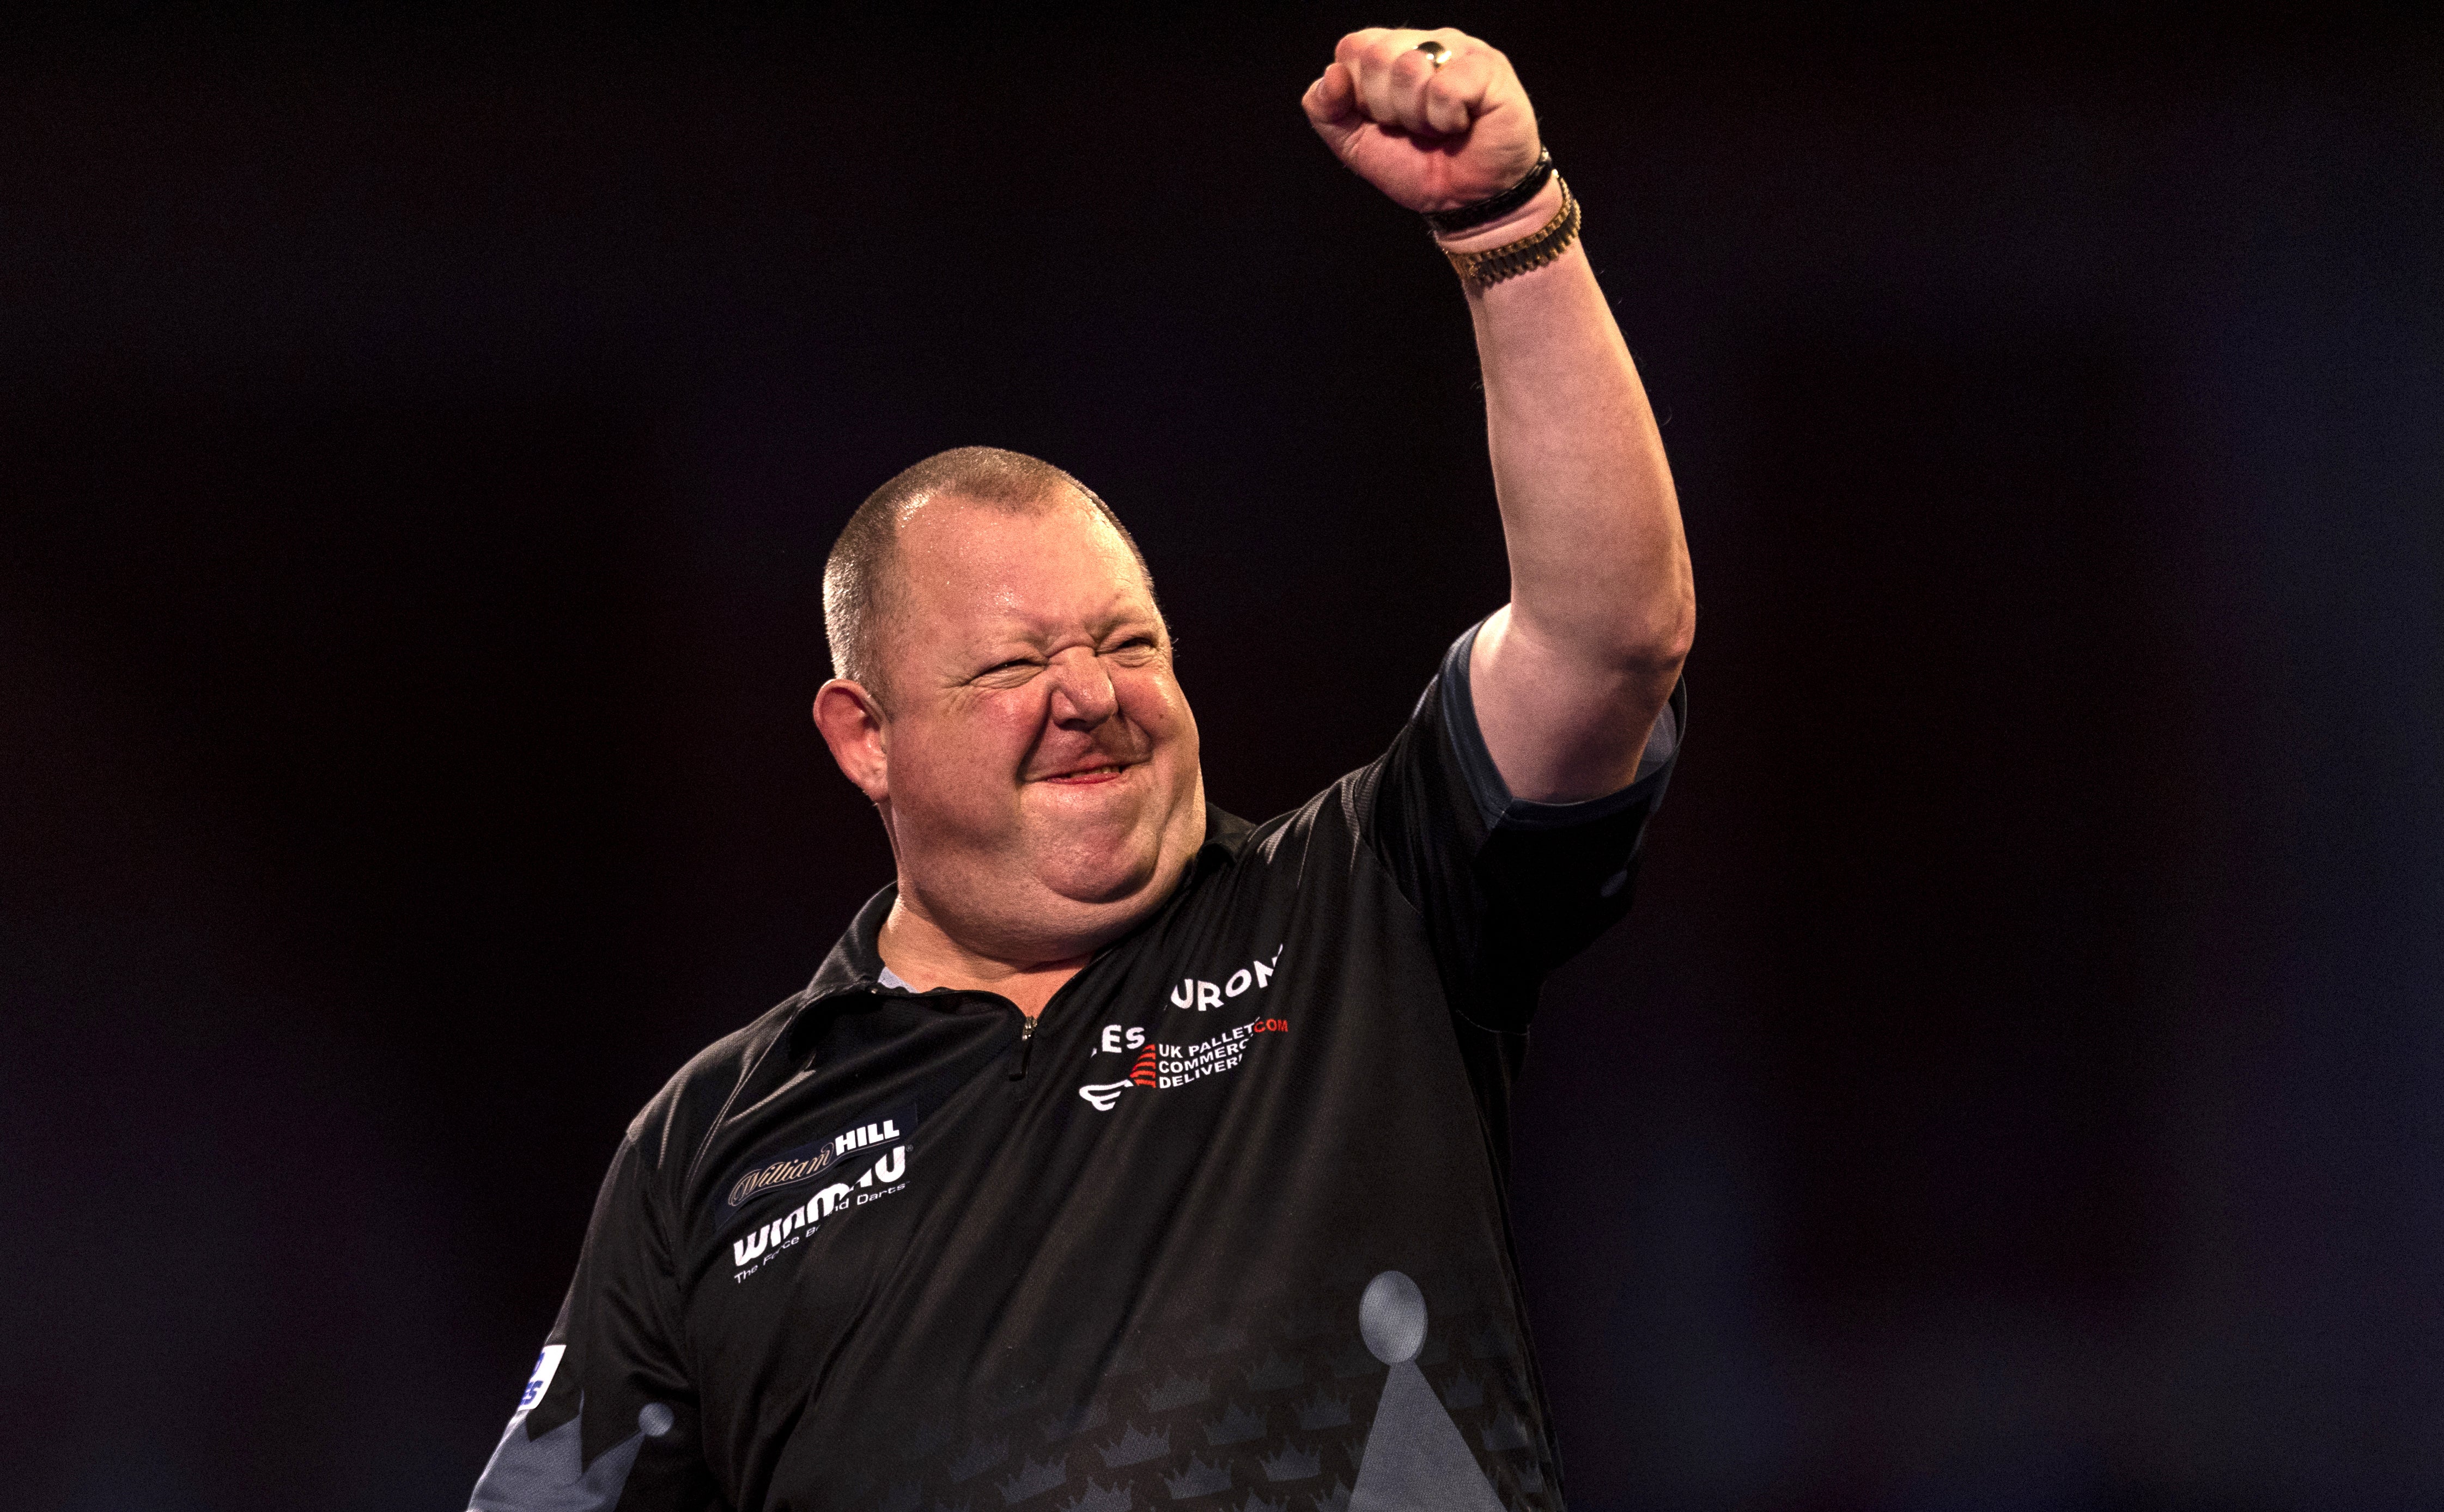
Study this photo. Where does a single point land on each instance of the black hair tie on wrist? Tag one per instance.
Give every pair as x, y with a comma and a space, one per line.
1445, 222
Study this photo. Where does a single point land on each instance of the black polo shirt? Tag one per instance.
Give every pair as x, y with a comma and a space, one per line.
884, 1249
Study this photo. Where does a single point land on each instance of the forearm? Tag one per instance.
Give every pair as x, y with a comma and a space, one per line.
1568, 678
1599, 567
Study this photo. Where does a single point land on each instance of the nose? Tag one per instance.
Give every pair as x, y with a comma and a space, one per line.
1083, 694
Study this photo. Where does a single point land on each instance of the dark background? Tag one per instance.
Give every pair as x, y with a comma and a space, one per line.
2023, 1082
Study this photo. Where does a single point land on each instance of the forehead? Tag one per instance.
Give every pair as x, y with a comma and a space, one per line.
971, 570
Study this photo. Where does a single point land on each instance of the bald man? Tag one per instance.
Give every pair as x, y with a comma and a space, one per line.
1123, 1153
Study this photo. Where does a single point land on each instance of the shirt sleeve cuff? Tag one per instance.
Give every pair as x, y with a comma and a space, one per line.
1495, 804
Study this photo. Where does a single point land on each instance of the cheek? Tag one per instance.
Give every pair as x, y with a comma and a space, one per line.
1153, 702
973, 750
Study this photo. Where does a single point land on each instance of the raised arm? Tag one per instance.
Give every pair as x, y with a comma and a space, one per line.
1570, 676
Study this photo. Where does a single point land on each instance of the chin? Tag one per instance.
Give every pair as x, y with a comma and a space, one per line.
1112, 878
1108, 859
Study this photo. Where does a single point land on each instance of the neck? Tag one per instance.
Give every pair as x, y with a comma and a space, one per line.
920, 953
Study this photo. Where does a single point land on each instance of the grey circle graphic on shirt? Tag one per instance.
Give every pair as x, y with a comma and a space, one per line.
1391, 1317
654, 1420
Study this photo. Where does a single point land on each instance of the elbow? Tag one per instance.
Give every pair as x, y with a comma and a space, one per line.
1625, 638
1656, 642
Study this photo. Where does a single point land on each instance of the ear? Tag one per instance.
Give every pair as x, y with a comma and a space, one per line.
853, 726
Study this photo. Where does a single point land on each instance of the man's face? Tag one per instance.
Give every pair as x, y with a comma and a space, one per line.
1043, 786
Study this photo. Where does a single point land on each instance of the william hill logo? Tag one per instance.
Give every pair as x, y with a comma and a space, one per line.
802, 1165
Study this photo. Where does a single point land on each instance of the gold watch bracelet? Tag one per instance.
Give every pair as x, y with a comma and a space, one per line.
1540, 247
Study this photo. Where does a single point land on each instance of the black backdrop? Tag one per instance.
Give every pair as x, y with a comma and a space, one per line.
2023, 1082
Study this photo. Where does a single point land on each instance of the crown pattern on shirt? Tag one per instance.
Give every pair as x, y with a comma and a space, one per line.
1463, 1393
1506, 1433
1199, 1479
925, 1441
1095, 1498
981, 1454
1336, 1500
1235, 1425
1531, 1479
1135, 1447
1077, 1420
1492, 1341
1322, 1410
1290, 1463
1033, 1479
1257, 1504
1179, 1391
1274, 1374
1354, 1361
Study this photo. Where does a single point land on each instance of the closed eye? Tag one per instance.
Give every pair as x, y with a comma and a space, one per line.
1005, 671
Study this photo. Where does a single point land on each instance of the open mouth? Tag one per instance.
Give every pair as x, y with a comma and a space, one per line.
1085, 776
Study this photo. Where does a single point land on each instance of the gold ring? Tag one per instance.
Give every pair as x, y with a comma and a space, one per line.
1436, 53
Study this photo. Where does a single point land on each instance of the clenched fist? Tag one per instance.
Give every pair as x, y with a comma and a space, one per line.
1433, 138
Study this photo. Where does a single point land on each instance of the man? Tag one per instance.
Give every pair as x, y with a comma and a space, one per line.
1121, 1153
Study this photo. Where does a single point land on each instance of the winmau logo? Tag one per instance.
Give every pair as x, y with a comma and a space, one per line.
785, 1231
880, 1146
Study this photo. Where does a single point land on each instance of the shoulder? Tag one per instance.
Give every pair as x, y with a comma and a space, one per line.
669, 1134
1318, 843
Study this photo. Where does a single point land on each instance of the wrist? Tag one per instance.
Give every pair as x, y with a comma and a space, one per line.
1482, 266
1535, 211
1493, 206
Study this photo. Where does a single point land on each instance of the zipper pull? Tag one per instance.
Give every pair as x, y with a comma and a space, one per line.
1025, 1045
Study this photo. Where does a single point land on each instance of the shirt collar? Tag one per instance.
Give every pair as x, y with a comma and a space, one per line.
855, 964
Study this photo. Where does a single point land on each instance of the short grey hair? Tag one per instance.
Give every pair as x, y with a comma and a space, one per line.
861, 579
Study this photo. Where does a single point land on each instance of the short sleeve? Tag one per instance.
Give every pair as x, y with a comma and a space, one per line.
1509, 888
608, 1421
